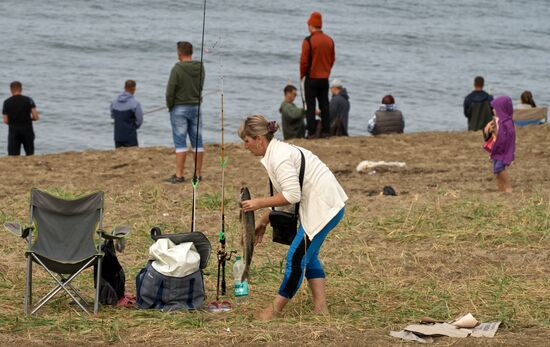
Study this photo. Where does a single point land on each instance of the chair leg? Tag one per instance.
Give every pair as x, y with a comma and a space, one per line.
61, 285
96, 301
77, 292
28, 286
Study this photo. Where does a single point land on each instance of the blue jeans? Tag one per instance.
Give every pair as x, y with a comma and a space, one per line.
304, 253
184, 122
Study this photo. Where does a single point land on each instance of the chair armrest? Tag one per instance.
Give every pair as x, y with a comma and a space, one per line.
108, 236
118, 233
17, 230
14, 228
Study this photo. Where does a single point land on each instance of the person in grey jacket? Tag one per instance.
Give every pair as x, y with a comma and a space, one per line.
339, 109
388, 119
128, 116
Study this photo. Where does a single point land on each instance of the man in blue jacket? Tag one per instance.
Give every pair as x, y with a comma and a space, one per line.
128, 116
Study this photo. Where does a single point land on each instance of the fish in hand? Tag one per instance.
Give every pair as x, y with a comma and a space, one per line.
248, 235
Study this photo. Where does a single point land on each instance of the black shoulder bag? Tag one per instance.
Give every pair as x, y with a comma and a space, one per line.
285, 224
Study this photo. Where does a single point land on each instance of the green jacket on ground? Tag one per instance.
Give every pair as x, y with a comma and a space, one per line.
183, 86
293, 121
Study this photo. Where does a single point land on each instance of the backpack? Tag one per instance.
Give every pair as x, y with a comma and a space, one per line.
480, 114
155, 290
112, 281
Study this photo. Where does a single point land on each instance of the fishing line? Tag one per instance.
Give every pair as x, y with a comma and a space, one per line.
195, 181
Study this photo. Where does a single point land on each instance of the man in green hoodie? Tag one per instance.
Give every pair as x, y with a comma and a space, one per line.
183, 94
292, 116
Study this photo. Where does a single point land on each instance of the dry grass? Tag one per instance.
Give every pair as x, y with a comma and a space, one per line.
448, 244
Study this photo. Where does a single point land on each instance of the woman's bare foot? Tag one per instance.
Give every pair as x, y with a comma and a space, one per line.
266, 314
323, 311
274, 310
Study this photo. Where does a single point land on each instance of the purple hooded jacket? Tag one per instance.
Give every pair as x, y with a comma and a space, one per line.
505, 144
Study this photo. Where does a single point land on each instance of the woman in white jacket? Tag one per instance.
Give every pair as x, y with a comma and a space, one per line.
322, 201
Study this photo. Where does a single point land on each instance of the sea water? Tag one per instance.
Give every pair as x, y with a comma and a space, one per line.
73, 57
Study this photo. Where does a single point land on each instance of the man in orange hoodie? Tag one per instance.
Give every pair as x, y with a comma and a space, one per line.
318, 56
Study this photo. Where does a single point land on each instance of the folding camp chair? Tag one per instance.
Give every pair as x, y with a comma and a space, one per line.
65, 243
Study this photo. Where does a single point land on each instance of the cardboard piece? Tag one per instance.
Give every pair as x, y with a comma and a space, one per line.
425, 320
486, 329
408, 336
460, 327
443, 329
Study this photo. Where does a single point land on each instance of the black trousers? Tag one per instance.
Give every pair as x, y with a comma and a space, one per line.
20, 136
131, 143
316, 89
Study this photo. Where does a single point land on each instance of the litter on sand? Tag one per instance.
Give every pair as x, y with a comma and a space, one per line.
460, 327
407, 335
368, 166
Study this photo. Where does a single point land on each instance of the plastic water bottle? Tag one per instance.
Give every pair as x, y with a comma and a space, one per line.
241, 288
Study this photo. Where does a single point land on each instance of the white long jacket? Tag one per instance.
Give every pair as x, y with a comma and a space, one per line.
321, 198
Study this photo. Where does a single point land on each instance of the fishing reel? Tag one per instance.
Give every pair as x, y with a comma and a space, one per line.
224, 256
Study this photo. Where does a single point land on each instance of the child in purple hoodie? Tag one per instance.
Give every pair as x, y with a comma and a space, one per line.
504, 146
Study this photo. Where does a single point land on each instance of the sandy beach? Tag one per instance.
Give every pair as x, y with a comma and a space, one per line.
449, 243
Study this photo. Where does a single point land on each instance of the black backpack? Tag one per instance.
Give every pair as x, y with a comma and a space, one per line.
112, 281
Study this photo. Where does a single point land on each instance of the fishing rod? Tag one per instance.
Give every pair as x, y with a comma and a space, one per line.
155, 110
195, 180
222, 253
162, 108
223, 256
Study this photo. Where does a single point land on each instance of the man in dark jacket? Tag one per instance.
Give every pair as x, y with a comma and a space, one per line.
19, 111
477, 106
316, 61
388, 119
128, 116
339, 109
183, 94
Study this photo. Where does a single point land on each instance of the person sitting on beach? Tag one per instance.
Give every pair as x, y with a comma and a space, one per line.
502, 130
527, 112
477, 108
292, 116
322, 200
128, 116
19, 111
388, 119
339, 109
183, 93
527, 101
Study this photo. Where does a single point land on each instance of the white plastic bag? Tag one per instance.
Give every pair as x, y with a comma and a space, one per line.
174, 260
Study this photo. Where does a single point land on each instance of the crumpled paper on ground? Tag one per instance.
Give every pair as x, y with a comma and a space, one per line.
461, 327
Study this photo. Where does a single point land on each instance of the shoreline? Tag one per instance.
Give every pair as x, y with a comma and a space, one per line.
214, 144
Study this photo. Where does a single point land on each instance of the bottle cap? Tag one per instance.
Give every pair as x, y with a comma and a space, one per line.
238, 257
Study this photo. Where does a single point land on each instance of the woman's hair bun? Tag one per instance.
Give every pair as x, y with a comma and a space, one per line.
272, 126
